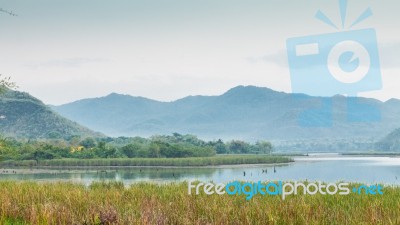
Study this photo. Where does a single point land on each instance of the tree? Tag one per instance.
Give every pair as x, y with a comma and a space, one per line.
263, 147
131, 150
239, 147
101, 149
41, 154
6, 150
6, 83
74, 140
220, 147
154, 151
54, 135
88, 143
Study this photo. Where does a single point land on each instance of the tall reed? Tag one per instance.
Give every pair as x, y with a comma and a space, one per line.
197, 161
145, 203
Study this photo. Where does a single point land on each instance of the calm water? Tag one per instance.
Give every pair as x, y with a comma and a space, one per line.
327, 168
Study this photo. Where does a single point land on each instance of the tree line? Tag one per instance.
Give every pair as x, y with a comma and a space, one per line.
159, 146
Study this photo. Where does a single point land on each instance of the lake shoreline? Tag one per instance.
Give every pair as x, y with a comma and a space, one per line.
152, 162
368, 170
66, 169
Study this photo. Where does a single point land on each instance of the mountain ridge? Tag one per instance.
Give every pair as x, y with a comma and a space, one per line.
245, 112
24, 116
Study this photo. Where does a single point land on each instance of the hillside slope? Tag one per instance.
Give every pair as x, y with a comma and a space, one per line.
391, 142
23, 116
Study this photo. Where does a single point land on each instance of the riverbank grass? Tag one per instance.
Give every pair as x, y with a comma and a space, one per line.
145, 203
179, 162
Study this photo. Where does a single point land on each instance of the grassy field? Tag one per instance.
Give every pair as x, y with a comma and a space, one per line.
112, 203
198, 161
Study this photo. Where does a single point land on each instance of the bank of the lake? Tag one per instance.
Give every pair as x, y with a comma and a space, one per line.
143, 162
377, 154
145, 203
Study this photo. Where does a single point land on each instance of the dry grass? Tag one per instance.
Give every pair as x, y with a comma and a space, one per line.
144, 203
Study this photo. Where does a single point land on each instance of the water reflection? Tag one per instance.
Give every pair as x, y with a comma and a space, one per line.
330, 168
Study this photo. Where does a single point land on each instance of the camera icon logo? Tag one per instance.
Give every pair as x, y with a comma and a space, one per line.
337, 63
345, 63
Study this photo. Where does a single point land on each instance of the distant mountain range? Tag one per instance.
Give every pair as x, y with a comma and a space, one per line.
391, 142
23, 116
244, 112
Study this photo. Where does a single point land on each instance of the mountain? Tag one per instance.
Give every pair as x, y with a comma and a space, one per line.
23, 116
390, 142
244, 112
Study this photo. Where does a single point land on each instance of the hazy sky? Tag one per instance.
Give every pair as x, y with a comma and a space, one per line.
61, 51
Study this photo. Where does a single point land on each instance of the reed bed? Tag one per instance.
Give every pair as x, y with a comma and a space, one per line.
145, 203
197, 161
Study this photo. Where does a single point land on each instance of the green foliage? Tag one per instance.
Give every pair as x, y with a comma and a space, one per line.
6, 148
88, 142
220, 147
193, 161
263, 147
175, 146
23, 116
6, 83
131, 150
238, 147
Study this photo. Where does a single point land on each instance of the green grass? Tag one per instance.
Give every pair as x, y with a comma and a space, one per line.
198, 161
144, 203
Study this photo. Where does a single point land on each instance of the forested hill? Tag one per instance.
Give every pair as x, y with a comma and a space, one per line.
23, 116
245, 112
391, 142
